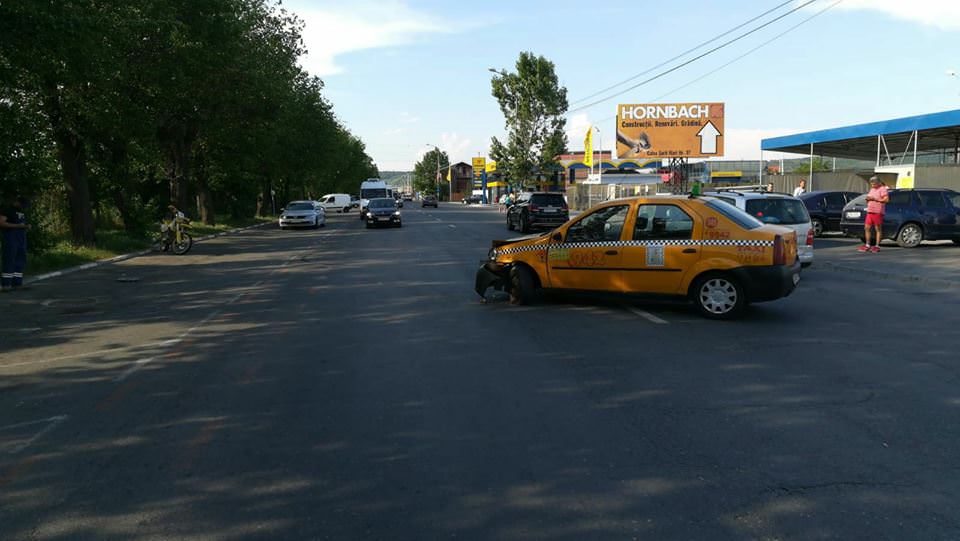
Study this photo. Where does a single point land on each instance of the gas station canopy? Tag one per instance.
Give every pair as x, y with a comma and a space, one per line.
934, 132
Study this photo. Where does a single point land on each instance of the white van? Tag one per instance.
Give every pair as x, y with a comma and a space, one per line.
339, 202
372, 188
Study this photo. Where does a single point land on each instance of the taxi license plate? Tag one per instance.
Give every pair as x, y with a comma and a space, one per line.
855, 214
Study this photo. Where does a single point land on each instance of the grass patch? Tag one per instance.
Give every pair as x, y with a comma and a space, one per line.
111, 243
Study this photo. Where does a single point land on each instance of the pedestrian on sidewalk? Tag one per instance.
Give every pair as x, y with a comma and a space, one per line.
13, 222
801, 189
877, 199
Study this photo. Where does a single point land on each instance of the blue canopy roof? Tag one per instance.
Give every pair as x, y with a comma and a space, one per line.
936, 131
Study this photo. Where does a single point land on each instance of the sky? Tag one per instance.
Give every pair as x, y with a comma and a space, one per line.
407, 75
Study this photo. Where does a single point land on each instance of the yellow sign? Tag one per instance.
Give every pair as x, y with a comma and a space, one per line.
726, 174
491, 166
588, 148
478, 166
449, 172
670, 130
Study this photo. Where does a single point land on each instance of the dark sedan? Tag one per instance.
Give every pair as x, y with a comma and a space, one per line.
912, 216
383, 211
538, 210
428, 201
826, 209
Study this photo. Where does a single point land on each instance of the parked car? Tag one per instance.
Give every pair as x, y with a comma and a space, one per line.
429, 201
339, 202
472, 199
699, 248
777, 209
911, 217
826, 209
354, 202
537, 210
407, 196
303, 213
383, 211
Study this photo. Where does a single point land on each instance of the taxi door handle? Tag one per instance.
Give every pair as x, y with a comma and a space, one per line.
611, 252
690, 251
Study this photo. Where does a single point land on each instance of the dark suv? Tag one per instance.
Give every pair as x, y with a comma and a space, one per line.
538, 210
826, 209
911, 217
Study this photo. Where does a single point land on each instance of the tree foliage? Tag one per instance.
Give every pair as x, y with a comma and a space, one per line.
111, 108
533, 104
425, 172
819, 165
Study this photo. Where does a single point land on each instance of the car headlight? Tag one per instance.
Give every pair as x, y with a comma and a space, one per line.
397, 213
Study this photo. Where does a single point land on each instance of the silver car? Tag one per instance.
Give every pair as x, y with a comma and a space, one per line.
303, 214
777, 209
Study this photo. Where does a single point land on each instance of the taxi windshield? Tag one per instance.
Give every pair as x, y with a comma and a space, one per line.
736, 215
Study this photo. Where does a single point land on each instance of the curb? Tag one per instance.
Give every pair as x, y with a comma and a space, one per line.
891, 277
131, 255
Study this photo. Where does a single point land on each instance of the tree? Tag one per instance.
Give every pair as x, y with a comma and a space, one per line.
425, 171
819, 165
533, 104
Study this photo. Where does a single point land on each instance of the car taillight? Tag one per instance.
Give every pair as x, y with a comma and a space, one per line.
810, 237
779, 251
534, 208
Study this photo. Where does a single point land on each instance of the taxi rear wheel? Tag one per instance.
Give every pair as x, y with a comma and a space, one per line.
719, 296
523, 286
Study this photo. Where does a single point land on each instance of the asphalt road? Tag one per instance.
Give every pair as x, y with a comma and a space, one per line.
347, 384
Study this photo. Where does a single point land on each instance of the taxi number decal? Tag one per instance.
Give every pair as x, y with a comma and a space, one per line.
655, 256
589, 259
716, 235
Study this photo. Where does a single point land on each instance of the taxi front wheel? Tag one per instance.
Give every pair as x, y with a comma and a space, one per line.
523, 286
719, 296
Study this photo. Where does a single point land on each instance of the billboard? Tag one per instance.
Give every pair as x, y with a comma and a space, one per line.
479, 164
670, 130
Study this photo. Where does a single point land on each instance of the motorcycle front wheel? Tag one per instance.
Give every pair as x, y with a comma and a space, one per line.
184, 245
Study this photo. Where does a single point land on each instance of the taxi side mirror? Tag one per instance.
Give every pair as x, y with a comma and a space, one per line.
557, 237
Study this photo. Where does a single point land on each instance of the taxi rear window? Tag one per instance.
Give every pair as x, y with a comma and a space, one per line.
735, 215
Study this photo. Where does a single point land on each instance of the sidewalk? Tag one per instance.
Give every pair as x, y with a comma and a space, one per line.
935, 264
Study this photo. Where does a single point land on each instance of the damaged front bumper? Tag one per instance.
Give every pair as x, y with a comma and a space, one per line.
491, 274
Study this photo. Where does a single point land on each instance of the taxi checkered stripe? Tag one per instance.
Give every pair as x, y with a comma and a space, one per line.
627, 243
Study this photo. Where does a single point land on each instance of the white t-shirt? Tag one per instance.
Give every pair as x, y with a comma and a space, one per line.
798, 191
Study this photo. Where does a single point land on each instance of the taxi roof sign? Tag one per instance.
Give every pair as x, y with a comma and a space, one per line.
670, 130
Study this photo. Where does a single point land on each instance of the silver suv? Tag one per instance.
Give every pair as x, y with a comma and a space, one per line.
777, 209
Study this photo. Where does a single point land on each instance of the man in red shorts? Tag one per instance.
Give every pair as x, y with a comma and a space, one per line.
877, 200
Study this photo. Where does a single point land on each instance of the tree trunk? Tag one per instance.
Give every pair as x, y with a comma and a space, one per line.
72, 157
204, 200
177, 138
124, 185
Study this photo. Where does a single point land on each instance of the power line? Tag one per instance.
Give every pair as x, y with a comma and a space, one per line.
741, 57
749, 52
681, 55
694, 59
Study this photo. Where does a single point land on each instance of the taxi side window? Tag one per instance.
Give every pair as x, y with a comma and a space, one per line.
657, 222
605, 224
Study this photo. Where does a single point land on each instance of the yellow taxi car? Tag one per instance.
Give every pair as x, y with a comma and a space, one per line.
692, 247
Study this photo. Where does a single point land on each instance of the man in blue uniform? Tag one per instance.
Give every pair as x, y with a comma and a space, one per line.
13, 224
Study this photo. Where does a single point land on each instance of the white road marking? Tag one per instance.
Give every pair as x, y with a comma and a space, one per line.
451, 225
133, 368
648, 316
52, 422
